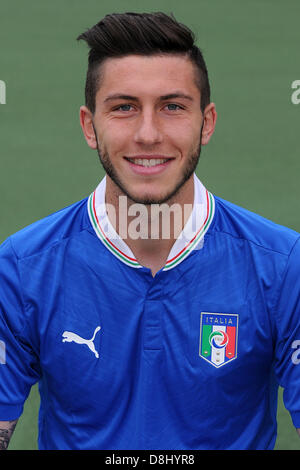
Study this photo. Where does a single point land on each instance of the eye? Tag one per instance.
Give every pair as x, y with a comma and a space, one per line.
123, 107
173, 107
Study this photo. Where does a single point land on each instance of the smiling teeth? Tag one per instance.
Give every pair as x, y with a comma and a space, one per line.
146, 162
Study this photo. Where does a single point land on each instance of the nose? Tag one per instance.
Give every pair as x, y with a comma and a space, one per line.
148, 129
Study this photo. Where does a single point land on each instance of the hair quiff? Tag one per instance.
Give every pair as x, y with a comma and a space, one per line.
121, 34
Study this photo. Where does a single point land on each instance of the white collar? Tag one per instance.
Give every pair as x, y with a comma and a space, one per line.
191, 238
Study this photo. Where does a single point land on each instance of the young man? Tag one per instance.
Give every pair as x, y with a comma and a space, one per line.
142, 337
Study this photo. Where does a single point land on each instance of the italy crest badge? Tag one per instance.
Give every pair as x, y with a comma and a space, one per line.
218, 337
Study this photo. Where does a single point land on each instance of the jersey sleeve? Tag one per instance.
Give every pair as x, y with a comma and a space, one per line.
287, 353
19, 365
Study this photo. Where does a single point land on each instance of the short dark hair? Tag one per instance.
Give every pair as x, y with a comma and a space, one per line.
121, 34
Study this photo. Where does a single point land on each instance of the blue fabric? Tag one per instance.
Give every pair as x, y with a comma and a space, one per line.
149, 387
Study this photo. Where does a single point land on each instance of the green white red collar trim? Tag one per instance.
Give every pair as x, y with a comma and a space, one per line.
191, 238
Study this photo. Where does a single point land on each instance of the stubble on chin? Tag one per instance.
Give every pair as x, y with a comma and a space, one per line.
121, 189
148, 199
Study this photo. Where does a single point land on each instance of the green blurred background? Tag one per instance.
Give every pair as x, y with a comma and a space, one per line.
252, 53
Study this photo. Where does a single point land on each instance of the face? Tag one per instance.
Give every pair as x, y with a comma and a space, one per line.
148, 126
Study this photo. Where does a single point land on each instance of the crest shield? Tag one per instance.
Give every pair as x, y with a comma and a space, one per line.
218, 337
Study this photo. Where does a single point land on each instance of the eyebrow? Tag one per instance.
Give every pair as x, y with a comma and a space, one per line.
118, 96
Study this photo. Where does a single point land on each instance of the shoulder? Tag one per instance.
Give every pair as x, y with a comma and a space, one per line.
239, 223
51, 231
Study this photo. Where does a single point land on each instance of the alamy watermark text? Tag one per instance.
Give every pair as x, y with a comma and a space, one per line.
2, 92
295, 98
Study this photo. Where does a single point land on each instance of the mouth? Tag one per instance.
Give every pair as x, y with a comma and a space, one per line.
148, 161
153, 164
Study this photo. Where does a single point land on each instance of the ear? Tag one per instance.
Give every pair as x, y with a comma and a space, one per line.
86, 122
209, 123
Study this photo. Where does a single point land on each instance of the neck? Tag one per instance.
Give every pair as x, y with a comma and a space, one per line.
149, 230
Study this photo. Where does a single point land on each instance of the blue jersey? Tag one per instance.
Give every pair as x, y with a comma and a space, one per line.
188, 359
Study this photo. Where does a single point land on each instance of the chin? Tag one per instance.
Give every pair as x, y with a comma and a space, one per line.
146, 199
150, 198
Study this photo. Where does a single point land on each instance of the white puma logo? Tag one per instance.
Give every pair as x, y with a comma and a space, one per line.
69, 337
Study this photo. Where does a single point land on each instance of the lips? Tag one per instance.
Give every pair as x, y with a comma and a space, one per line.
149, 164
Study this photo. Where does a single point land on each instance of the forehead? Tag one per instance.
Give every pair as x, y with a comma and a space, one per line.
146, 75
